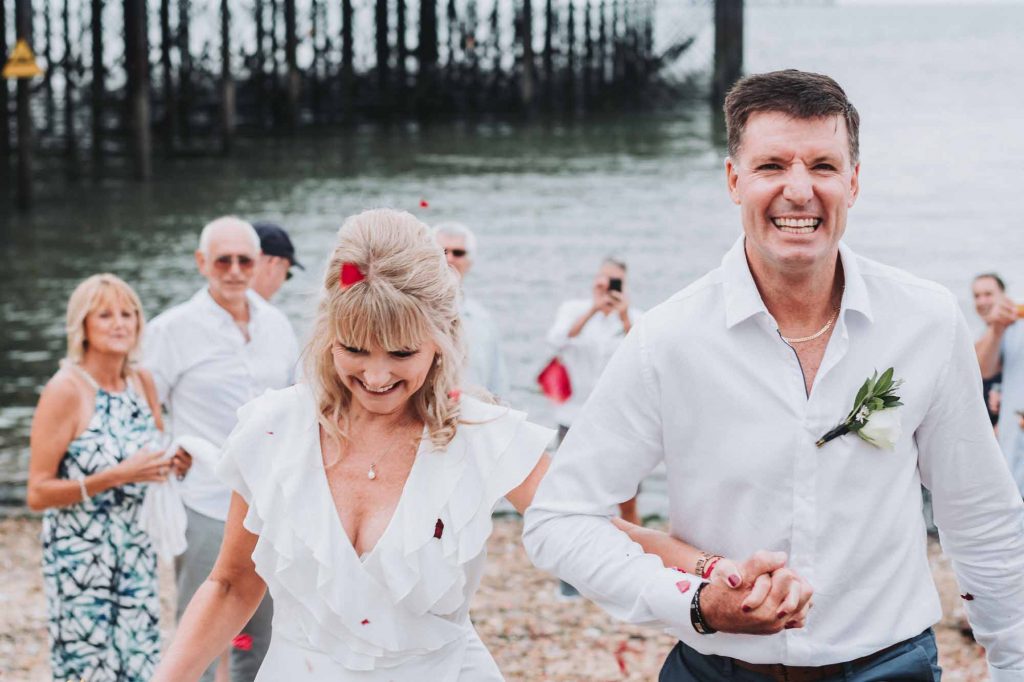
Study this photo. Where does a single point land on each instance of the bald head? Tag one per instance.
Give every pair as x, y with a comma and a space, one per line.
231, 227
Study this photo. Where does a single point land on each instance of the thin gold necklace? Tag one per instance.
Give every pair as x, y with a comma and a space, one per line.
804, 339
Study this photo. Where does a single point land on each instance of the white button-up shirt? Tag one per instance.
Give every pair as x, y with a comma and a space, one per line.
486, 365
585, 355
205, 370
705, 383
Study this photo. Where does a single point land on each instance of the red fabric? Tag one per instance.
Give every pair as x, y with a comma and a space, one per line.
242, 642
350, 274
554, 381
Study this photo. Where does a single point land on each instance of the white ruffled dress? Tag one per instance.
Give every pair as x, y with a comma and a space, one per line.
400, 612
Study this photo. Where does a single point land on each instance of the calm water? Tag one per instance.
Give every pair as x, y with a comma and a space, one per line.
940, 90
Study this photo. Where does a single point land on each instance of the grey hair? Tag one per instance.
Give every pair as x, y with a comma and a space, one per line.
221, 223
616, 261
454, 229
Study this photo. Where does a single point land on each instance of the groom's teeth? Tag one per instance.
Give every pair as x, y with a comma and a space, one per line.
797, 225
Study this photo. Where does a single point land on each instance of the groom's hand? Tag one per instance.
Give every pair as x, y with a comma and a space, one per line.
770, 599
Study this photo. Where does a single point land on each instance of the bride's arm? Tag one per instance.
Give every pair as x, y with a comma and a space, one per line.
673, 552
221, 606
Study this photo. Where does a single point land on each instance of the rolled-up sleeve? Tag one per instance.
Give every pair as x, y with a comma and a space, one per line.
611, 447
977, 507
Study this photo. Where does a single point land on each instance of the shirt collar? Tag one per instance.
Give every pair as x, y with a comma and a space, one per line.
743, 300
256, 304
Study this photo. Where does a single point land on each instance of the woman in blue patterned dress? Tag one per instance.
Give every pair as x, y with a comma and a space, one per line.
91, 456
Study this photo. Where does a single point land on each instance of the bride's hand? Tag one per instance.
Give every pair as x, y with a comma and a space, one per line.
727, 573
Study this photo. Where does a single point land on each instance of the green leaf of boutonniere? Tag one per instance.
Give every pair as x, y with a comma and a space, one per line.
876, 397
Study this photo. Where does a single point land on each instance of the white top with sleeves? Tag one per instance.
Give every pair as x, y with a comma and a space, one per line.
705, 383
205, 370
585, 355
401, 611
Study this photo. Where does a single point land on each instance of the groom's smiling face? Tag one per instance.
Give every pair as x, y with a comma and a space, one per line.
794, 180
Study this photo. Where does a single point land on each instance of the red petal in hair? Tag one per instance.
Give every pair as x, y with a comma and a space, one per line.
424, 204
350, 274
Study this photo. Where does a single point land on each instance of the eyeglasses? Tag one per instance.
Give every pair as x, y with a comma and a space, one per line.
458, 253
223, 263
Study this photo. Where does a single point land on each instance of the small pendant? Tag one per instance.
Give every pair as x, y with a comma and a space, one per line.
371, 474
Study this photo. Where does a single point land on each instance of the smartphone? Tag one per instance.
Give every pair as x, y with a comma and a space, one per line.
615, 284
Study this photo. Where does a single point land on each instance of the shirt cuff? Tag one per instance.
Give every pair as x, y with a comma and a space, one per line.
669, 596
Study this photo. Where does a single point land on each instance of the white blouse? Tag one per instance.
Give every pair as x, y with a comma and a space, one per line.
401, 611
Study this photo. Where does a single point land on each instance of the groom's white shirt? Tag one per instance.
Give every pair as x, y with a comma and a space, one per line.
705, 383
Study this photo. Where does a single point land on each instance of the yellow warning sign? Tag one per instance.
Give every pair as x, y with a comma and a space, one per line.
22, 63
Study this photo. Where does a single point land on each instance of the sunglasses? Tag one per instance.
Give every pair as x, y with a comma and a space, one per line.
458, 253
223, 263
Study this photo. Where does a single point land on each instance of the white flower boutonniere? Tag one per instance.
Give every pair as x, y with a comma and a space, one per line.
874, 416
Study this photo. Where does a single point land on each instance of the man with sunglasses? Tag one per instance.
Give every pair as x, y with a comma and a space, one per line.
486, 364
209, 356
277, 258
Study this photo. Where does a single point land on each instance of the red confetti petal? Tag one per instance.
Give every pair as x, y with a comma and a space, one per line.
424, 204
365, 621
967, 597
270, 433
438, 529
454, 394
242, 642
350, 274
683, 586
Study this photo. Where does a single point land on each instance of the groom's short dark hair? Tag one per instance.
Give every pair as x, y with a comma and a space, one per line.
799, 94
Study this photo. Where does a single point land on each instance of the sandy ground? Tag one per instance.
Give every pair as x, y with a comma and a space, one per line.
533, 635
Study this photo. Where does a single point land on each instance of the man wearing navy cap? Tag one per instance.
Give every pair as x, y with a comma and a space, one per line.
276, 260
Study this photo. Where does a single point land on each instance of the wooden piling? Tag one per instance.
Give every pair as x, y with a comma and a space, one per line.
259, 68
426, 53
5, 116
23, 28
227, 83
68, 64
381, 44
184, 67
728, 48
347, 57
527, 88
99, 73
291, 64
136, 40
402, 49
548, 59
49, 101
170, 122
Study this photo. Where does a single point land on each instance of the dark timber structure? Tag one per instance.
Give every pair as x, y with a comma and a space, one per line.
218, 68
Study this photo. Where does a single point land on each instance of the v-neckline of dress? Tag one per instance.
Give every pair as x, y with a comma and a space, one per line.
339, 526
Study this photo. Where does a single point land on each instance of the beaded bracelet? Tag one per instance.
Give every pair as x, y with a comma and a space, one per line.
85, 493
696, 617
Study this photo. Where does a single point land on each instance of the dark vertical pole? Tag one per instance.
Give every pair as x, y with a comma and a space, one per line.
527, 83
23, 27
549, 48
170, 100
275, 68
290, 48
137, 66
570, 57
98, 77
452, 15
728, 48
427, 52
347, 54
227, 83
381, 18
402, 47
259, 73
70, 143
314, 71
5, 114
590, 52
50, 107
184, 66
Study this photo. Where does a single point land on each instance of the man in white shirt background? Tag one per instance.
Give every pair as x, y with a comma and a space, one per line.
585, 334
486, 364
209, 356
733, 382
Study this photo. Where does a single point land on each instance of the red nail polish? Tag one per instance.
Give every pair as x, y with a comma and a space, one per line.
733, 581
790, 625
746, 609
781, 614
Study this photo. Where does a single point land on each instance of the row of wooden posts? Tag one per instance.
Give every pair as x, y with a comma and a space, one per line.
594, 53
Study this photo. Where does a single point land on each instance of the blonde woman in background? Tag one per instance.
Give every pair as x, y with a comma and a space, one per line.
90, 459
363, 498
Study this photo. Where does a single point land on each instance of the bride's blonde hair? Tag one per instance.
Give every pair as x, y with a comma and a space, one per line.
408, 295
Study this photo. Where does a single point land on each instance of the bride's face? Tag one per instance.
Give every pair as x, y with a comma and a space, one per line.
382, 380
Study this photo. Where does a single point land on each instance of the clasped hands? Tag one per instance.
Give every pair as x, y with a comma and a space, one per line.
767, 597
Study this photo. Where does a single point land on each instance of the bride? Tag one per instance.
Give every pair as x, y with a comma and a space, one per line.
363, 497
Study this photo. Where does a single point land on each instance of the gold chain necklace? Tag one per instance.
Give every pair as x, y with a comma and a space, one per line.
804, 339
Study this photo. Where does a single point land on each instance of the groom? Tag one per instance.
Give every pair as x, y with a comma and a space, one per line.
734, 380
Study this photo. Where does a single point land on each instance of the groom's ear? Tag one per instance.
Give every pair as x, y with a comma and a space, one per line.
731, 180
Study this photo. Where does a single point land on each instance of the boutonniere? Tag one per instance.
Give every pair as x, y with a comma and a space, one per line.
874, 416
